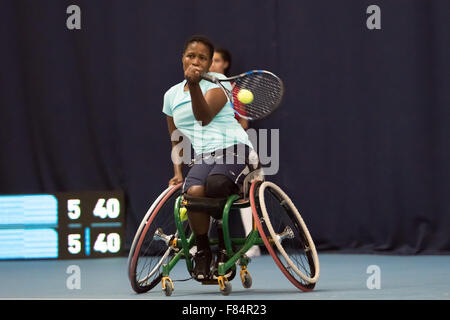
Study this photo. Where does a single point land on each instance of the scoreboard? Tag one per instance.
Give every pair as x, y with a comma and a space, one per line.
64, 225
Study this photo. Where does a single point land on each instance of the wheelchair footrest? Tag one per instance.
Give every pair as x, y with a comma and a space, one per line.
210, 282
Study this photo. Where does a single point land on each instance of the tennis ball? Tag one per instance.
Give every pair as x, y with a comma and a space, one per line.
183, 215
245, 96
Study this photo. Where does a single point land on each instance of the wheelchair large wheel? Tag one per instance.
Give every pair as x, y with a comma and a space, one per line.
285, 234
149, 251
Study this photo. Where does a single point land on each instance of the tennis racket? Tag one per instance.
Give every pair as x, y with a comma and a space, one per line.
266, 92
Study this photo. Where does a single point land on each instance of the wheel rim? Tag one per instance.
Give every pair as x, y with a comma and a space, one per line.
150, 254
299, 266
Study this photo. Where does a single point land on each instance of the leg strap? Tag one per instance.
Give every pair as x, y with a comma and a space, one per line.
212, 206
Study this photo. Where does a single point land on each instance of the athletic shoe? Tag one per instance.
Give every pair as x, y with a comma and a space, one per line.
202, 264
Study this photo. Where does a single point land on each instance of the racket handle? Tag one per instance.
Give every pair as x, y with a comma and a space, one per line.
209, 77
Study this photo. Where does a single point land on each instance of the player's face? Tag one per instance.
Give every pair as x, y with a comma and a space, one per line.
218, 64
197, 54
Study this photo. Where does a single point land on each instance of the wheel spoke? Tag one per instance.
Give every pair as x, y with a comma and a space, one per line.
151, 249
286, 234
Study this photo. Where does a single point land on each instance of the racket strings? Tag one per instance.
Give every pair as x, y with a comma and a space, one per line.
267, 91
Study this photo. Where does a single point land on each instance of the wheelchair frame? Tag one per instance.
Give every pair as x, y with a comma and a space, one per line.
183, 244
180, 244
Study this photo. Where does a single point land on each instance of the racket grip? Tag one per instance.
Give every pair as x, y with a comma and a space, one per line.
208, 77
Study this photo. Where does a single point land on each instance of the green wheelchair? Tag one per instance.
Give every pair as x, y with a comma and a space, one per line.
164, 238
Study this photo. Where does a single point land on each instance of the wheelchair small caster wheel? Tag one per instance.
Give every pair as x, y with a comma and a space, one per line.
167, 286
226, 289
246, 280
168, 291
225, 286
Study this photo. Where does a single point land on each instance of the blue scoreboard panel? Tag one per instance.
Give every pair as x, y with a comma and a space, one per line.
63, 225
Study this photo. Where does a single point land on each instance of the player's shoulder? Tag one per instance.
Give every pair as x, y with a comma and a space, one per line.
173, 89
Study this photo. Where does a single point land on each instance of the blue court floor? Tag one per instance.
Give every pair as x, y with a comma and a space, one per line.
343, 276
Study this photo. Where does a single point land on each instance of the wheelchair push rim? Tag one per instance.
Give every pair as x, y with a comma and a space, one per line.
145, 275
292, 248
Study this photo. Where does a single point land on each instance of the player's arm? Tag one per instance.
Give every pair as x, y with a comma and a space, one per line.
243, 122
177, 167
205, 107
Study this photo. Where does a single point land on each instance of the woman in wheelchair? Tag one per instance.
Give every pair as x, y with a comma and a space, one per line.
225, 168
201, 112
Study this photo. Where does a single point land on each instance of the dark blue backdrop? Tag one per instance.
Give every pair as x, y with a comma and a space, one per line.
364, 128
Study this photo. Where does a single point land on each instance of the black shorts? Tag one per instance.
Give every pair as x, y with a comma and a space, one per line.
235, 162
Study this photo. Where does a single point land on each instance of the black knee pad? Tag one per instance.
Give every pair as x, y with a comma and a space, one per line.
220, 186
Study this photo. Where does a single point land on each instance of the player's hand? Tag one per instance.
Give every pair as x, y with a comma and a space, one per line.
192, 74
178, 178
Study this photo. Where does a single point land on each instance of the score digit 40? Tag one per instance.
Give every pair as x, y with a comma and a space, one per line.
92, 225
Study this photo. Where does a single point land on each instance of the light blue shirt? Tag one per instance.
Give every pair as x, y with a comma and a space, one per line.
222, 132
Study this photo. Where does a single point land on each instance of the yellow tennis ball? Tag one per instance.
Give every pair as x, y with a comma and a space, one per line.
183, 215
245, 96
